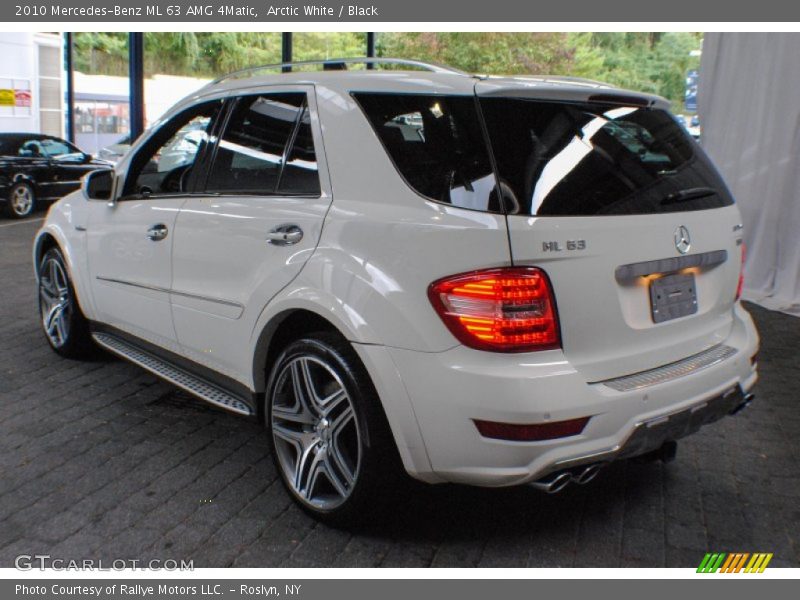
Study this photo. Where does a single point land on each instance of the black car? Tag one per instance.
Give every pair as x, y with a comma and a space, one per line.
39, 168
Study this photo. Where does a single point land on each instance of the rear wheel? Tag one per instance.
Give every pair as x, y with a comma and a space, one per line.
64, 325
331, 442
21, 200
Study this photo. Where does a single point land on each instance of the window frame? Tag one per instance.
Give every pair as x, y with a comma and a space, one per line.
232, 102
146, 147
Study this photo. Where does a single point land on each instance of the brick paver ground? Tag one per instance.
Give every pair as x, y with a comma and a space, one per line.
101, 460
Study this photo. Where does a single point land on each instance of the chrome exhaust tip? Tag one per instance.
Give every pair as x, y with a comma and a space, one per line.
744, 404
552, 484
588, 474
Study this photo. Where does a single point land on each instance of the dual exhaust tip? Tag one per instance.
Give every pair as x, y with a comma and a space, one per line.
552, 484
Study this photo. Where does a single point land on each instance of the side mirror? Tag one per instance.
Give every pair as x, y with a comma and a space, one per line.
98, 185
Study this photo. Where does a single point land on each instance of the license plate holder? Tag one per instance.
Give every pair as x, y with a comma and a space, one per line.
673, 296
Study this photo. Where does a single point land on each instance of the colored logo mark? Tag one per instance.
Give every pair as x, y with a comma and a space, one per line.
720, 562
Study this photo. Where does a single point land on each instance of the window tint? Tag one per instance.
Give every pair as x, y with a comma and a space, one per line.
31, 149
573, 159
437, 144
300, 175
60, 149
267, 147
163, 164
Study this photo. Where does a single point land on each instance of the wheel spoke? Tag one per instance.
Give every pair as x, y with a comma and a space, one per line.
330, 472
289, 435
291, 415
303, 386
334, 400
342, 419
308, 462
337, 463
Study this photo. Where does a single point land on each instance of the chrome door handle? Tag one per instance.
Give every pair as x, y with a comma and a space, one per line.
285, 235
157, 232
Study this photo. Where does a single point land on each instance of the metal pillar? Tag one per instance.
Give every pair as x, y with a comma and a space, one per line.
136, 82
370, 47
69, 67
286, 50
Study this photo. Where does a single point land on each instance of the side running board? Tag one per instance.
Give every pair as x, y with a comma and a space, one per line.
190, 383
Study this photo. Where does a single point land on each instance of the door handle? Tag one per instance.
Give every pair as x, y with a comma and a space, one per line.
285, 235
157, 232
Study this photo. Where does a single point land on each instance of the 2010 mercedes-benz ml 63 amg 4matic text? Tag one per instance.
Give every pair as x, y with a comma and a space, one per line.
491, 281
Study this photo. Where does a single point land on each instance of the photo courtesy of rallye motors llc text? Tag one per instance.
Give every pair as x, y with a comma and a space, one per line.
161, 589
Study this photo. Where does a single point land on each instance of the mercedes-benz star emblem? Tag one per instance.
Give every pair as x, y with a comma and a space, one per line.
682, 240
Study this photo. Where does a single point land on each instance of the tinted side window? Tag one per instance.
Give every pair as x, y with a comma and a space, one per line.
589, 159
299, 174
437, 144
163, 164
58, 148
31, 149
266, 148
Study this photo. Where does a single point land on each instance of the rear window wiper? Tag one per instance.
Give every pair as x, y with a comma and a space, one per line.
689, 194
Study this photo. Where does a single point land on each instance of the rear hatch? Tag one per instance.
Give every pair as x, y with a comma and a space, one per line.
624, 211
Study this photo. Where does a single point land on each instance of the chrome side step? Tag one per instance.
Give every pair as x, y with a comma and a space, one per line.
194, 385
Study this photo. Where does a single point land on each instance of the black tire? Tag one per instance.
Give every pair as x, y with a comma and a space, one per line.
378, 469
68, 332
21, 200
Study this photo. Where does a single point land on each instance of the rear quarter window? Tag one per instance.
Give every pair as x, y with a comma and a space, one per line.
436, 144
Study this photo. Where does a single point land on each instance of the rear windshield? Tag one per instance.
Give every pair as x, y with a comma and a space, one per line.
552, 158
585, 160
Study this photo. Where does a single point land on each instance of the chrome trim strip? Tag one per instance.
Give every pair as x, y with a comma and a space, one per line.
155, 288
194, 385
698, 362
625, 273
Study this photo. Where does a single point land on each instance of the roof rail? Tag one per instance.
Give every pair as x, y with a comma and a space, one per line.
339, 62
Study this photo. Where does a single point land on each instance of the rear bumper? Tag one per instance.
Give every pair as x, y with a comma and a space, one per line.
449, 390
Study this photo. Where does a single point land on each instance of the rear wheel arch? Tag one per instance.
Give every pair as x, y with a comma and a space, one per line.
281, 330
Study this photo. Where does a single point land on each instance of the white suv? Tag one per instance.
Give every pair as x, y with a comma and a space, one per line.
491, 281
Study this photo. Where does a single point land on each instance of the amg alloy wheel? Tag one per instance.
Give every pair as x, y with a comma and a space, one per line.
63, 322
332, 444
315, 432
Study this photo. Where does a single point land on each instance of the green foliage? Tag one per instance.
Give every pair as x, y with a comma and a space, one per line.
650, 62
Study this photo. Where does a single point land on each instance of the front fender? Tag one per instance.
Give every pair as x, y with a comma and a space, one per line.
65, 225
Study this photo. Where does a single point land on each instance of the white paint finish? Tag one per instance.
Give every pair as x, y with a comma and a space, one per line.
606, 327
119, 249
371, 248
450, 389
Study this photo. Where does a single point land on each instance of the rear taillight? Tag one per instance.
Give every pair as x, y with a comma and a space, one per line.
740, 285
501, 310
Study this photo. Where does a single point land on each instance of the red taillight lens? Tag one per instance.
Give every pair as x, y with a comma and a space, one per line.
741, 273
536, 432
501, 310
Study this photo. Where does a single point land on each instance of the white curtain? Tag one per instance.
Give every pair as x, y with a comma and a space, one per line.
749, 107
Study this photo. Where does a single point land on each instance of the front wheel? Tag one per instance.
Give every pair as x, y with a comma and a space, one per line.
64, 325
21, 200
331, 443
